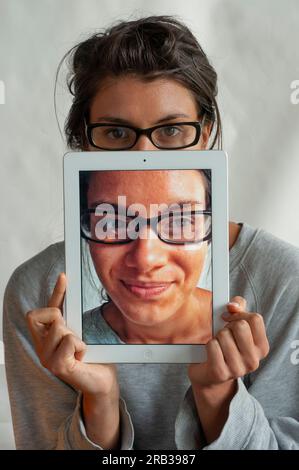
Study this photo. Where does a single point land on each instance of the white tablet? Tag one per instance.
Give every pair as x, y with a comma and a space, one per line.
146, 253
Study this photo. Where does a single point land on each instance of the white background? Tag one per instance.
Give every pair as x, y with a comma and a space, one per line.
254, 47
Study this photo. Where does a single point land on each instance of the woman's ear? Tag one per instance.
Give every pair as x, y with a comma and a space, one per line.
205, 134
85, 143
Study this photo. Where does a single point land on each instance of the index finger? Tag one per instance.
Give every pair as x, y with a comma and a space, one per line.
56, 299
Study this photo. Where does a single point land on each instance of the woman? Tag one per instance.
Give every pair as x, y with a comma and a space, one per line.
139, 75
151, 278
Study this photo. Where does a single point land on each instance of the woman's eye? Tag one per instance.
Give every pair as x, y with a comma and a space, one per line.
170, 131
116, 223
183, 222
116, 133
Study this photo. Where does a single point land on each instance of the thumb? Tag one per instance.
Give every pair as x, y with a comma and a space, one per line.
57, 297
237, 304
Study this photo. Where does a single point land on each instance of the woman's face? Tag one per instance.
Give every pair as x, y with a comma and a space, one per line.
129, 100
147, 279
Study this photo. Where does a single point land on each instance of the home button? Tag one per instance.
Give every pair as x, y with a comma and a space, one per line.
148, 354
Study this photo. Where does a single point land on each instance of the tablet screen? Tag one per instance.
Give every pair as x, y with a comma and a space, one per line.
146, 252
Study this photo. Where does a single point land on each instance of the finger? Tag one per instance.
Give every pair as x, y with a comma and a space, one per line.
257, 326
50, 344
39, 322
65, 359
57, 297
258, 331
229, 317
237, 304
231, 353
244, 341
216, 366
70, 347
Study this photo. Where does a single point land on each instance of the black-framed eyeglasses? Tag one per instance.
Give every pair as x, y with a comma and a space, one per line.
171, 227
171, 136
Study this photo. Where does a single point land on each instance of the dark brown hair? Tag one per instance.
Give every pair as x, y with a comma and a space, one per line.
151, 47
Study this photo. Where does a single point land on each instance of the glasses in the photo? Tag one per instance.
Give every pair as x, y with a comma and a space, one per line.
170, 136
170, 227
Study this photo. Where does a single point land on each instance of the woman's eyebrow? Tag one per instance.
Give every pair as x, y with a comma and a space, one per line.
118, 120
98, 203
181, 204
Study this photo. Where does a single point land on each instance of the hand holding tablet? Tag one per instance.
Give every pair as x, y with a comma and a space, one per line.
155, 232
61, 352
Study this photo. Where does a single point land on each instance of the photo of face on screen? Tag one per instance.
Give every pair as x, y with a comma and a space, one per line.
146, 252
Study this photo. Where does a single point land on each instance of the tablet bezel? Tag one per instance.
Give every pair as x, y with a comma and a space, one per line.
73, 163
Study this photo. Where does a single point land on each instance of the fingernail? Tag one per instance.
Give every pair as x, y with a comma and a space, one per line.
234, 304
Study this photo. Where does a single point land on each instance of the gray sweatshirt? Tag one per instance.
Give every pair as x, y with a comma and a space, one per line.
157, 407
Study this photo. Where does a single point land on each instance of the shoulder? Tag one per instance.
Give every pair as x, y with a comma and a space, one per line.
32, 282
269, 270
270, 256
89, 318
96, 330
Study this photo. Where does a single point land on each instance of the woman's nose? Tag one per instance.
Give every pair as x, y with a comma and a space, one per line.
144, 143
147, 253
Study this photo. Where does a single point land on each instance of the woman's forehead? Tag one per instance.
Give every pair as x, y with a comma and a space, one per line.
140, 102
150, 186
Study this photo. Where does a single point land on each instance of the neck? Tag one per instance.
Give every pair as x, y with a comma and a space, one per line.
234, 230
194, 316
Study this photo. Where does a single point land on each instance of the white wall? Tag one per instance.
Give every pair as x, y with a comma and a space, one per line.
253, 46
